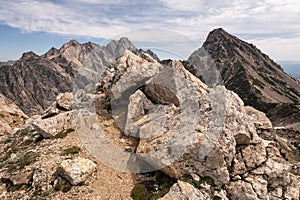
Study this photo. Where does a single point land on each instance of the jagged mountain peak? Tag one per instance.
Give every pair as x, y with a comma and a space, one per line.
253, 75
118, 47
29, 55
222, 44
72, 42
220, 32
34, 81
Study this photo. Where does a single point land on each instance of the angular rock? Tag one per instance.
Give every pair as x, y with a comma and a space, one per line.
76, 170
11, 116
259, 118
65, 101
260, 186
55, 124
241, 190
182, 190
187, 128
138, 106
22, 178
254, 155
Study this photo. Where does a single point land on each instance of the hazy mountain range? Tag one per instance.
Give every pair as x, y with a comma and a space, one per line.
291, 67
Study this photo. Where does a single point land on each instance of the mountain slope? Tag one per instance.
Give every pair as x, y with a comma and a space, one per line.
256, 78
33, 81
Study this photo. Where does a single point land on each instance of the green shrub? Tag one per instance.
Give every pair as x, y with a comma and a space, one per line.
71, 151
63, 133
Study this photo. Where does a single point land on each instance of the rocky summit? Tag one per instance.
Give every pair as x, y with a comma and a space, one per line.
135, 127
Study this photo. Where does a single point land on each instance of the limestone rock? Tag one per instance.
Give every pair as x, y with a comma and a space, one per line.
184, 191
77, 170
254, 155
259, 118
65, 101
241, 190
11, 116
57, 123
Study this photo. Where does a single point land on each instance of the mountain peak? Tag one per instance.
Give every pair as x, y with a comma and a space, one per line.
29, 55
220, 35
219, 31
71, 43
118, 47
253, 75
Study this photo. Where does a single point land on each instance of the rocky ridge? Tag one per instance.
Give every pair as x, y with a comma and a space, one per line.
256, 78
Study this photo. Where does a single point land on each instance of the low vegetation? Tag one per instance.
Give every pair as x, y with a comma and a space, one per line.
64, 133
71, 151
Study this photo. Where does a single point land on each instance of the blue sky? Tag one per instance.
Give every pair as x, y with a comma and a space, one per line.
271, 25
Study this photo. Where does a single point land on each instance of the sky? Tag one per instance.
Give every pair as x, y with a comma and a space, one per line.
178, 26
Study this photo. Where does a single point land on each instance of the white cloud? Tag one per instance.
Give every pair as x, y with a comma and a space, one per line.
194, 18
279, 48
192, 5
98, 1
32, 16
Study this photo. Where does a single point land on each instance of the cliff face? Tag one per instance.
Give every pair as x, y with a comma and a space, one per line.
256, 78
33, 81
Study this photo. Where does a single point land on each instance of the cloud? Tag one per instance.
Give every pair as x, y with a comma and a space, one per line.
44, 16
279, 48
195, 18
98, 1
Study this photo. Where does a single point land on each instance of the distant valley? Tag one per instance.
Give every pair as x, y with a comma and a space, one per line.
291, 67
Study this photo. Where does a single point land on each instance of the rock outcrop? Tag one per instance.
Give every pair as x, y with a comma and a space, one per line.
244, 69
77, 170
11, 116
184, 128
182, 190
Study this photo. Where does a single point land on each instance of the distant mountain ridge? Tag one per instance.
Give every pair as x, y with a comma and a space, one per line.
34, 81
256, 78
10, 62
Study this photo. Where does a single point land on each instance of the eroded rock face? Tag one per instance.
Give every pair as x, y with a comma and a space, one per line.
33, 82
77, 170
57, 123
